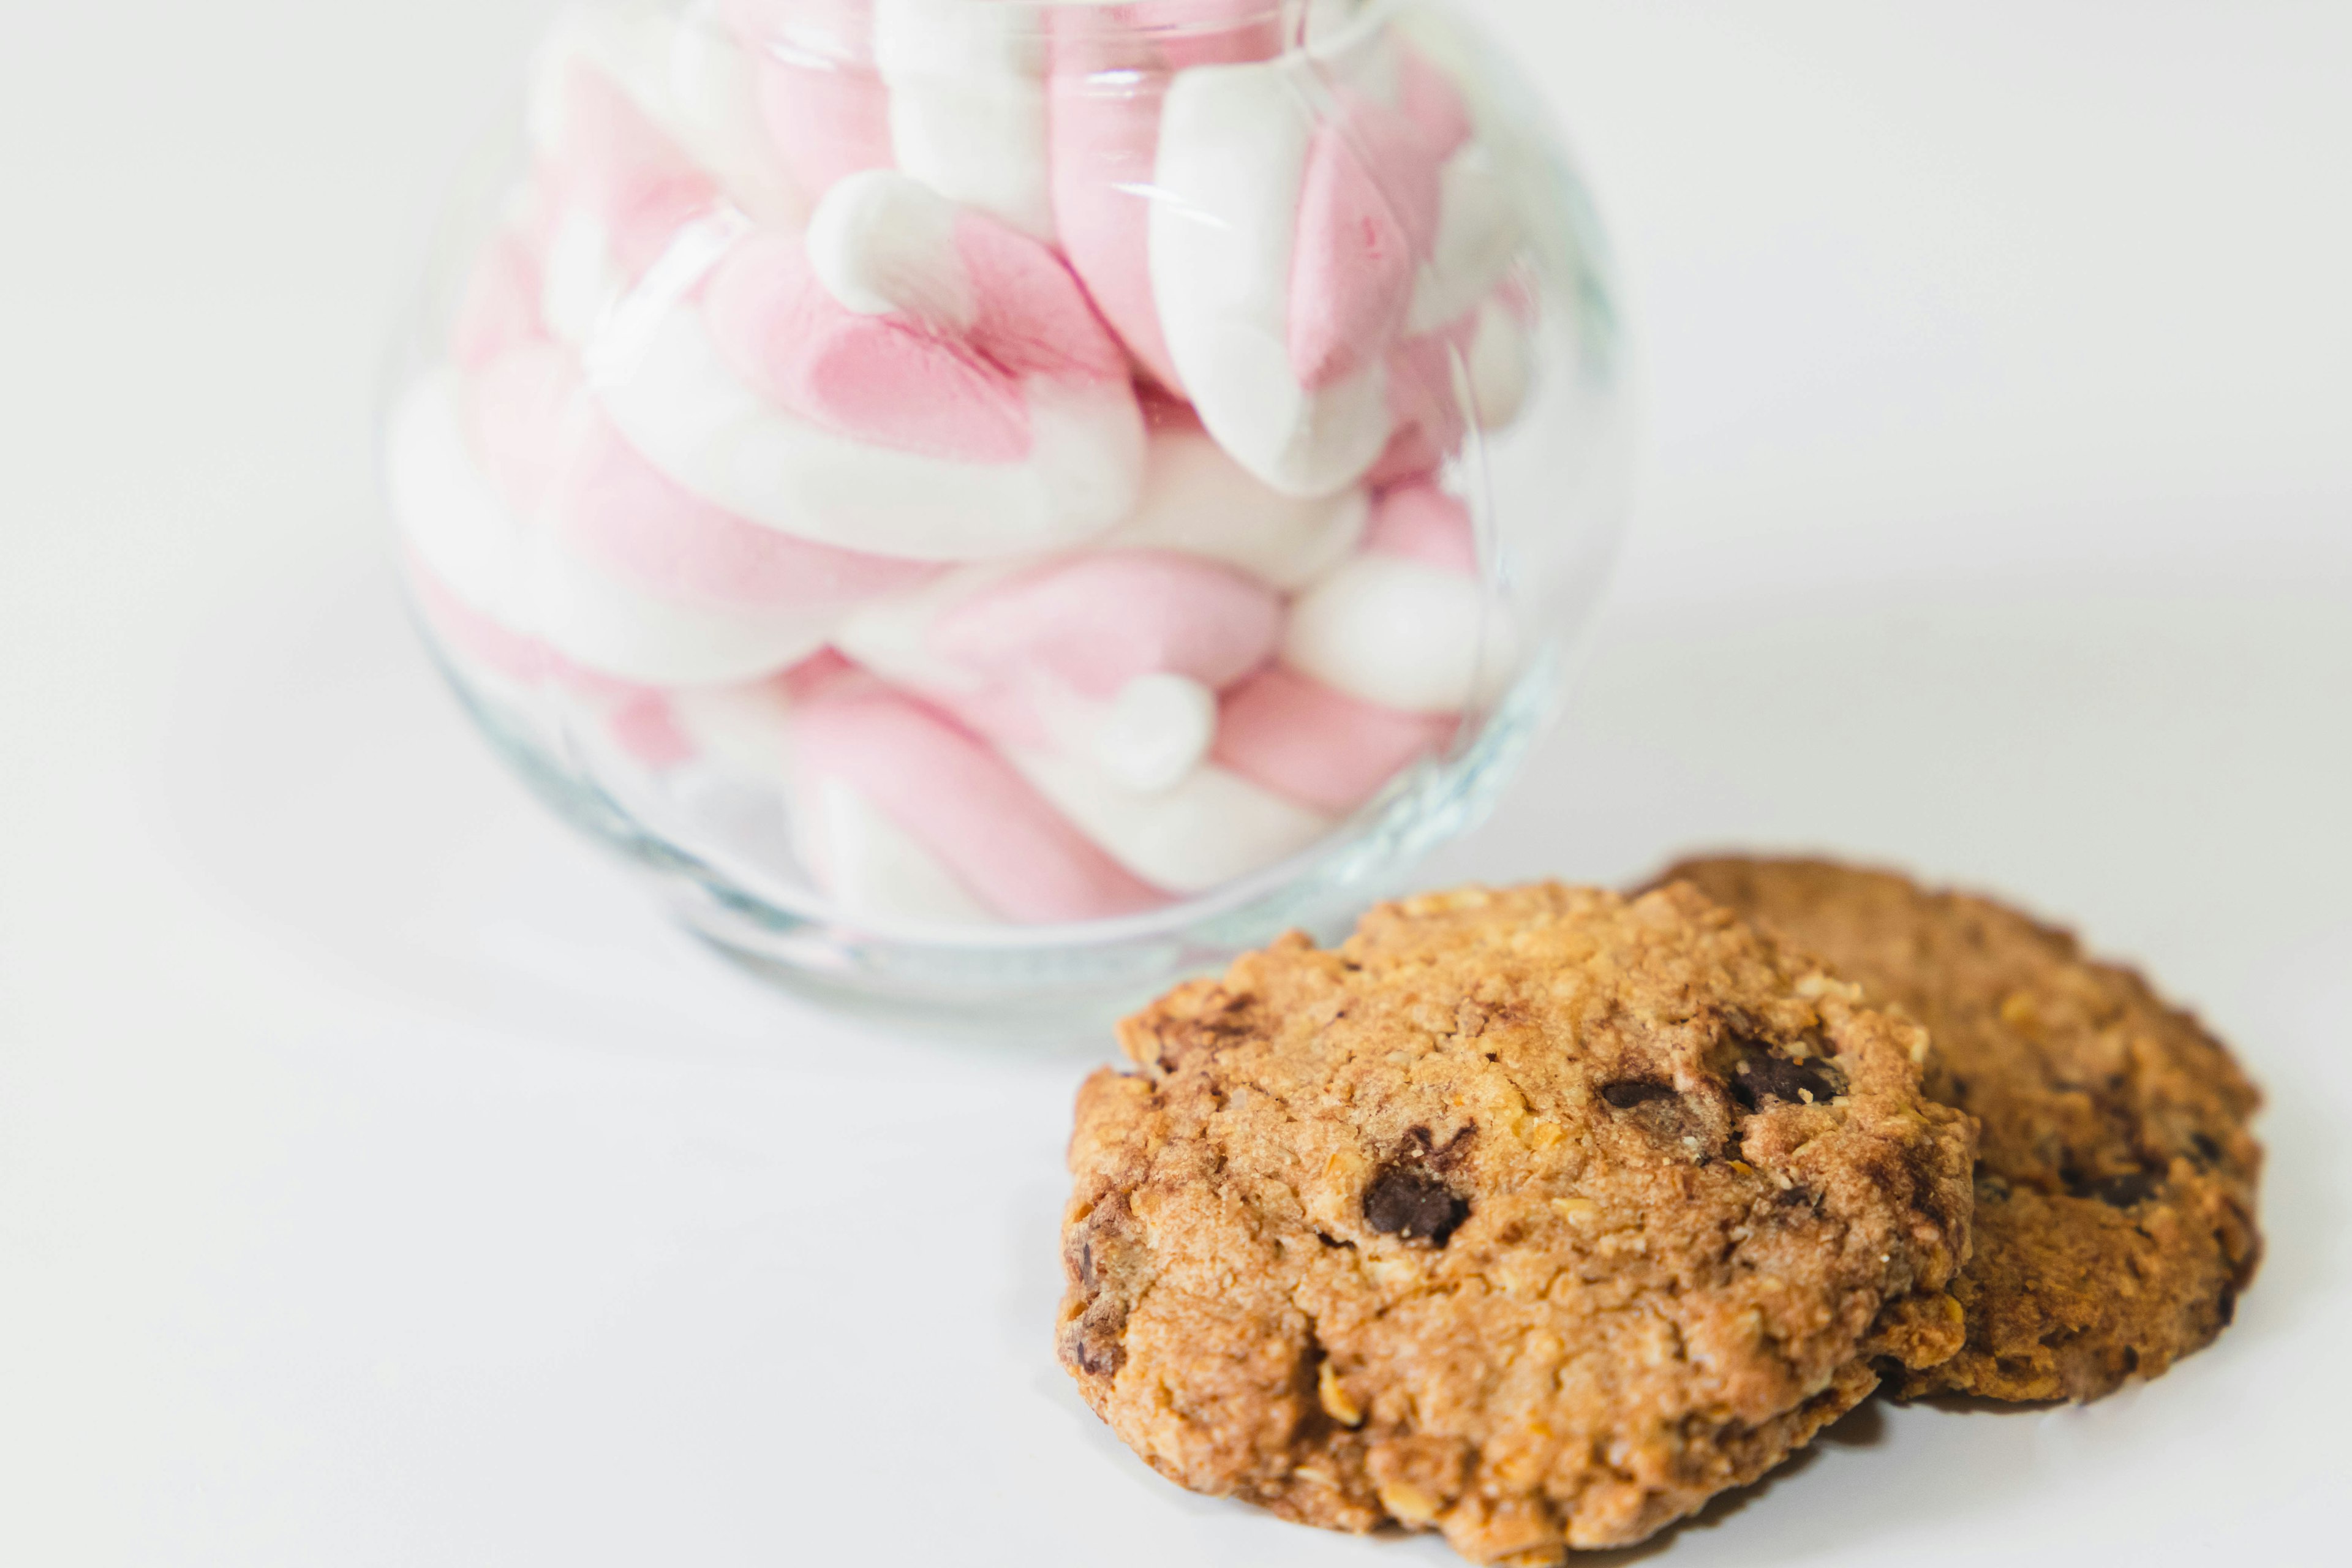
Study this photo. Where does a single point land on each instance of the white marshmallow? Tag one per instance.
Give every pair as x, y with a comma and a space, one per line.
1197, 502
879, 241
968, 115
1403, 635
1154, 732
1233, 144
1207, 830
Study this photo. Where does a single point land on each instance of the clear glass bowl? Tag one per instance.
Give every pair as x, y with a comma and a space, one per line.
995, 505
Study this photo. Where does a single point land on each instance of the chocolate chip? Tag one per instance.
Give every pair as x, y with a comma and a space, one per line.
1097, 1358
1409, 1202
1635, 1091
2207, 1149
2123, 1192
1759, 1078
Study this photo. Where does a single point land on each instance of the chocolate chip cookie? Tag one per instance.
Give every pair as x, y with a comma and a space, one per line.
2116, 1186
1536, 1218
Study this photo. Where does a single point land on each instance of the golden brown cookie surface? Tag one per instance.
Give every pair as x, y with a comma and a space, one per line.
2115, 1218
1536, 1217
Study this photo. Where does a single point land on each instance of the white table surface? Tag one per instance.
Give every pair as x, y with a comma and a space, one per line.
383, 1182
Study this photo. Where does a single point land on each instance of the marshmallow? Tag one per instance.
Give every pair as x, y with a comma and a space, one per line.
1406, 624
874, 870
1290, 257
688, 77
1206, 830
866, 753
1197, 502
746, 728
1476, 371
1110, 659
493, 653
913, 380
826, 112
1318, 746
967, 93
777, 356
1110, 85
593, 553
615, 192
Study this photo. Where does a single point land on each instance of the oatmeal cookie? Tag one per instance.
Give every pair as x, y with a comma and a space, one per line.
1535, 1218
2115, 1183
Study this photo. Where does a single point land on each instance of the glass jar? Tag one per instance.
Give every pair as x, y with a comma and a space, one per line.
993, 504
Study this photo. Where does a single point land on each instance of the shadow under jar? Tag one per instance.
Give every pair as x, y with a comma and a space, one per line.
996, 505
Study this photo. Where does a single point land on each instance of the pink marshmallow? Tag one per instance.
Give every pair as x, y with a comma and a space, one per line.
1368, 214
1419, 521
1319, 747
1096, 623
955, 390
963, 803
1432, 100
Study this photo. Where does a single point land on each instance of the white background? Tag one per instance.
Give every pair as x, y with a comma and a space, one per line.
383, 1182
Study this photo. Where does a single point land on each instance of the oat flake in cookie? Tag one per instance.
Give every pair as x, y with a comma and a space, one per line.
2115, 1216
1536, 1218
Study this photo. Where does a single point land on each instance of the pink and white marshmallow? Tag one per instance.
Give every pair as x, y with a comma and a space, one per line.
823, 107
1406, 624
1098, 678
1112, 660
910, 379
1317, 746
687, 76
903, 813
520, 495
1197, 502
1284, 261
944, 92
608, 200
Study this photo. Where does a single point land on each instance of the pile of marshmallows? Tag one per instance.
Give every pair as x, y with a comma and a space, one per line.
1010, 434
